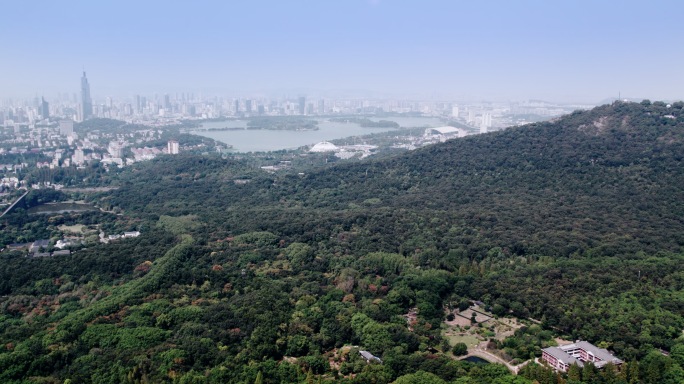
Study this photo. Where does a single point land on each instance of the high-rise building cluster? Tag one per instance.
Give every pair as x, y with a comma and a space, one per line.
170, 108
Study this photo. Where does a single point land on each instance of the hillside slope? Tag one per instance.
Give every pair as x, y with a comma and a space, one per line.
572, 226
590, 177
608, 178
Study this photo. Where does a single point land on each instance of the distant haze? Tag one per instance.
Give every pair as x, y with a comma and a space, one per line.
575, 51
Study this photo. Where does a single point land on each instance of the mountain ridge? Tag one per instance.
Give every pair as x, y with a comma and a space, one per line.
587, 158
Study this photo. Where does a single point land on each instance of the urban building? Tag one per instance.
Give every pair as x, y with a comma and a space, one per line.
172, 147
66, 127
444, 133
302, 105
79, 157
44, 109
454, 111
323, 146
86, 107
115, 150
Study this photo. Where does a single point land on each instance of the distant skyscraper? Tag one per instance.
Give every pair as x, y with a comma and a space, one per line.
44, 109
172, 147
485, 123
487, 119
248, 105
86, 101
302, 105
237, 106
321, 107
454, 111
138, 104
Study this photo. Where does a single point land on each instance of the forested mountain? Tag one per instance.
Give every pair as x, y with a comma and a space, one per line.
609, 180
576, 223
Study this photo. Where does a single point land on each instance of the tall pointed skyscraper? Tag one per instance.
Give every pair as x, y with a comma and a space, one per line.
302, 105
44, 108
86, 101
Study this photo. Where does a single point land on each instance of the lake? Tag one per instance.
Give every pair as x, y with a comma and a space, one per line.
244, 140
475, 359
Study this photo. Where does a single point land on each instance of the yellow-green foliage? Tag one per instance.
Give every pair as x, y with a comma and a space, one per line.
178, 224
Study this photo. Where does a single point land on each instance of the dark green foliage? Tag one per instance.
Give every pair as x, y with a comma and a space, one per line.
460, 349
575, 223
528, 341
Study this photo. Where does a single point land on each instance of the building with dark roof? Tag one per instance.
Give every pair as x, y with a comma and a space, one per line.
39, 245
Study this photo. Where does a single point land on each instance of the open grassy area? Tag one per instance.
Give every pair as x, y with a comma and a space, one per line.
467, 338
76, 228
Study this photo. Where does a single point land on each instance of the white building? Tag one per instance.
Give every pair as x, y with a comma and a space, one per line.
444, 133
486, 122
323, 146
66, 127
79, 157
454, 111
172, 147
580, 352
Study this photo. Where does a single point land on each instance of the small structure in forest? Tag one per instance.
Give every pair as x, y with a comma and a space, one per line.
370, 357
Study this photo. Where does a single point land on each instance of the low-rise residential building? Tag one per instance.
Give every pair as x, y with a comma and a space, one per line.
39, 245
580, 352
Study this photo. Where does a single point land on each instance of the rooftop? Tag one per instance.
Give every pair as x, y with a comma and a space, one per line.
369, 356
562, 354
324, 146
600, 353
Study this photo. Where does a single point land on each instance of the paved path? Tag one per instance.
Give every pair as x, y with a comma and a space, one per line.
15, 203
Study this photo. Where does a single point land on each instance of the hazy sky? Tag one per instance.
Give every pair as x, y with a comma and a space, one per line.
555, 50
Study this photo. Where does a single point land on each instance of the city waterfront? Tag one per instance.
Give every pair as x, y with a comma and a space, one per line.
249, 140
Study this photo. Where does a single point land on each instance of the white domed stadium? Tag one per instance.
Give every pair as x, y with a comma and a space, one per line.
324, 146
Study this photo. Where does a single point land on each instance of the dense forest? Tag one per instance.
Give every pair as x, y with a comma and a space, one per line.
574, 227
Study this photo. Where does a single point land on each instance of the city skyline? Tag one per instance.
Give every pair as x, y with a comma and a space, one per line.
572, 52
